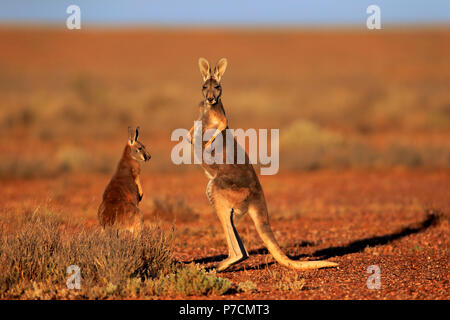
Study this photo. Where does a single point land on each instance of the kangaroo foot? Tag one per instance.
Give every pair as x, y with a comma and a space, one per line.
228, 262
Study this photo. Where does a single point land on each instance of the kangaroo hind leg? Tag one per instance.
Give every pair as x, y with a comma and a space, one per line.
236, 249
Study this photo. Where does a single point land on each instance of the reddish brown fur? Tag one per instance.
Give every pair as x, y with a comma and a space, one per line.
234, 189
121, 197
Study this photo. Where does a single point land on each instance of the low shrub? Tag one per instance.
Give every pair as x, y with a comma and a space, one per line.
36, 249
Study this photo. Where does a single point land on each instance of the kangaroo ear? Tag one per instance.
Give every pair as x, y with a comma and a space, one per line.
205, 69
220, 68
131, 135
137, 133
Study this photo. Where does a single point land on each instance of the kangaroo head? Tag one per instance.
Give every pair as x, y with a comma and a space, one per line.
212, 90
137, 149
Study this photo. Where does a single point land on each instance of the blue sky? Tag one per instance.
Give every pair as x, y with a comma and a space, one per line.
226, 12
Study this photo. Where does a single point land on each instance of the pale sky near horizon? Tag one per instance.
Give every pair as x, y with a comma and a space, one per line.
225, 12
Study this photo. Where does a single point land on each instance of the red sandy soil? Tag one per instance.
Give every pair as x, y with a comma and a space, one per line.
396, 219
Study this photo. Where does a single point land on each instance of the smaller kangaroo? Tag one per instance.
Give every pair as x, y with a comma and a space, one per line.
124, 192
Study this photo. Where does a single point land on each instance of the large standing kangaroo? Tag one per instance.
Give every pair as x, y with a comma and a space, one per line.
234, 189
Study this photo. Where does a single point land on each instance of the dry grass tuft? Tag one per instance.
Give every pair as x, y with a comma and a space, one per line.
247, 286
36, 249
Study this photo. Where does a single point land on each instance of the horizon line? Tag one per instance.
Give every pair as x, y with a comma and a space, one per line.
224, 26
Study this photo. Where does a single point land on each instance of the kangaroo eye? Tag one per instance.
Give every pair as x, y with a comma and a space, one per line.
217, 87
204, 87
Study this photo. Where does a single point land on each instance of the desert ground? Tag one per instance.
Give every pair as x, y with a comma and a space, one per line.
364, 179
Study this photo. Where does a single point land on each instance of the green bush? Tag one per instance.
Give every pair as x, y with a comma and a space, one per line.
190, 280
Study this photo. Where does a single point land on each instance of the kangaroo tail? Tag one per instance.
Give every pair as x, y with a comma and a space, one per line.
267, 236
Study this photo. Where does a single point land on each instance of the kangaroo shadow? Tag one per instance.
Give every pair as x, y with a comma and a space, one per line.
360, 245
220, 257
261, 250
337, 251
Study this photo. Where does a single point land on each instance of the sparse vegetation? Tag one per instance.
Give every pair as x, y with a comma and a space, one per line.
247, 286
287, 280
172, 209
321, 148
64, 115
191, 280
35, 254
342, 100
65, 160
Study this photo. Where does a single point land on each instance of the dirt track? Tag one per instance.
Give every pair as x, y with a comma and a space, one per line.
355, 218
